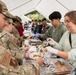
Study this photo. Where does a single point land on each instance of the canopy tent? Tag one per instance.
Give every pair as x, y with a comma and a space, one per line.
45, 7
24, 18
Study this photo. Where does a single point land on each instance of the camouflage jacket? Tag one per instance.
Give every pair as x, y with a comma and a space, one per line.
8, 41
15, 32
31, 68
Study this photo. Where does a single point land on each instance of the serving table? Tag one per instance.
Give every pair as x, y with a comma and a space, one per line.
48, 67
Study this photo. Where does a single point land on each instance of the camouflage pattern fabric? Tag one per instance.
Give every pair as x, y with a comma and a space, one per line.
9, 42
4, 10
3, 70
28, 69
2, 50
15, 32
31, 68
8, 71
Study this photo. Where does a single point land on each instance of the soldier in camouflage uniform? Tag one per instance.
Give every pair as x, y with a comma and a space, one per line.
11, 39
6, 41
15, 32
31, 68
18, 25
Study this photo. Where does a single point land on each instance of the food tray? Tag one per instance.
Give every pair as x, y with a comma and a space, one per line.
36, 41
65, 64
51, 68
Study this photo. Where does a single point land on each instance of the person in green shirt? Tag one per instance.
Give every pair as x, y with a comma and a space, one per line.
56, 30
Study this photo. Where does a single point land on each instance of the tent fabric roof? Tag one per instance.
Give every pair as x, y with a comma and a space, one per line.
45, 7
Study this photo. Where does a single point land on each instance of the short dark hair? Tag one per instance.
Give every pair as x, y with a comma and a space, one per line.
55, 15
44, 19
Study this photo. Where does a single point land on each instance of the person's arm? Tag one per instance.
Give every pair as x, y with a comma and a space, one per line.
62, 54
48, 33
56, 51
71, 55
61, 43
45, 35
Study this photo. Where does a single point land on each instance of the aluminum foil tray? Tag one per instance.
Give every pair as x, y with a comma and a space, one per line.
69, 69
51, 67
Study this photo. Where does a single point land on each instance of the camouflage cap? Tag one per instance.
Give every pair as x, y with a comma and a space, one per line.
4, 10
18, 19
9, 20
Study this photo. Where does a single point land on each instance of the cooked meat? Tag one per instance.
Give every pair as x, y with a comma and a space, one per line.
59, 63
